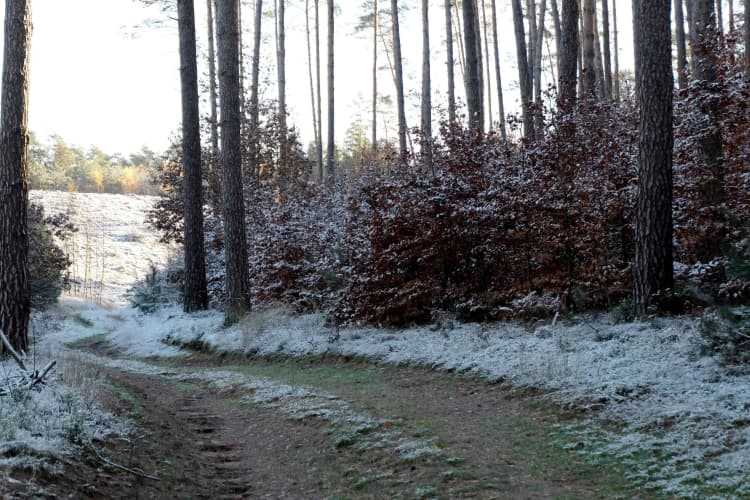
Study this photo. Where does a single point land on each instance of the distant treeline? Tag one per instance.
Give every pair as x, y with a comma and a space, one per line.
56, 165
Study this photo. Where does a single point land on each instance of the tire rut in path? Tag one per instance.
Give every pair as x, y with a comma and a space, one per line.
204, 445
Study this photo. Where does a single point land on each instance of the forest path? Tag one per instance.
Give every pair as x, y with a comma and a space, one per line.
214, 427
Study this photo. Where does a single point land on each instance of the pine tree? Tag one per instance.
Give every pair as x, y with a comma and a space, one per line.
196, 293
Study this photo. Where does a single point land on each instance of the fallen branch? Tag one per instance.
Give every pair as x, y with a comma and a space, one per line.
39, 378
12, 351
106, 461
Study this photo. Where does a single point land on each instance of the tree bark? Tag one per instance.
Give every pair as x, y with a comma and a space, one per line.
524, 75
233, 204
450, 63
747, 40
569, 55
398, 62
601, 90
538, 50
331, 152
15, 294
589, 52
653, 256
679, 20
196, 293
501, 104
426, 147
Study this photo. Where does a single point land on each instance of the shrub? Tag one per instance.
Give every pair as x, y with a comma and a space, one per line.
47, 261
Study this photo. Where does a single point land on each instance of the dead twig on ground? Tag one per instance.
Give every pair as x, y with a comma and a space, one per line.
106, 461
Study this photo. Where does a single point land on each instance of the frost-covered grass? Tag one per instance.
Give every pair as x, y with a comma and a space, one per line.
684, 412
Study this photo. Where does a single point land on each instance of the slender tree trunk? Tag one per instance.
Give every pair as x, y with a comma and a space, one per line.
568, 55
426, 89
606, 50
331, 152
689, 13
730, 7
637, 44
488, 64
719, 17
319, 137
747, 40
500, 102
399, 82
480, 59
601, 90
531, 44
558, 32
310, 77
537, 66
235, 237
589, 52
375, 23
255, 91
679, 22
281, 69
652, 272
524, 74
196, 293
460, 39
450, 63
212, 84
473, 69
616, 78
15, 293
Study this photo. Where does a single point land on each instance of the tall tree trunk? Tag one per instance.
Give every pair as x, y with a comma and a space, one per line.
399, 81
375, 23
537, 62
212, 84
331, 152
689, 14
580, 49
319, 137
531, 43
719, 17
652, 272
606, 50
747, 40
524, 75
730, 7
450, 63
255, 91
15, 294
705, 45
487, 59
569, 55
235, 237
601, 90
426, 148
480, 58
558, 32
196, 293
679, 21
310, 76
460, 39
589, 52
637, 44
501, 104
473, 71
616, 78
281, 69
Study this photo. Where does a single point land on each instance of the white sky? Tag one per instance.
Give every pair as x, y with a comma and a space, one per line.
95, 84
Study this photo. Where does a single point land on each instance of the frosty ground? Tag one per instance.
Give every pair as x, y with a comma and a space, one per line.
639, 395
